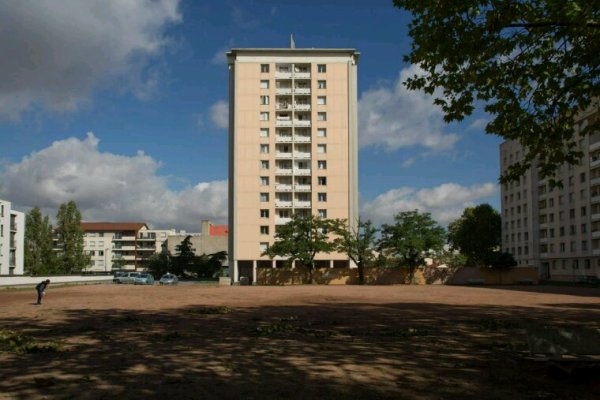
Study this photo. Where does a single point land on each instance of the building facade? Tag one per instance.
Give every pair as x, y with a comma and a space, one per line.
556, 229
121, 245
212, 239
12, 240
292, 146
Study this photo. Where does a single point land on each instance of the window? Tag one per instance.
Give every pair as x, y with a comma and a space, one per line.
572, 213
264, 213
92, 244
264, 68
264, 116
264, 197
321, 148
264, 164
101, 253
264, 84
264, 230
264, 148
264, 100
264, 246
321, 132
264, 132
322, 68
322, 196
575, 264
583, 228
323, 213
322, 164
583, 211
321, 116
264, 181
92, 253
584, 245
322, 84
582, 177
322, 180
321, 100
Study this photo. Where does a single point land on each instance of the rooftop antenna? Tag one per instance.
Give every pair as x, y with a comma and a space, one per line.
292, 43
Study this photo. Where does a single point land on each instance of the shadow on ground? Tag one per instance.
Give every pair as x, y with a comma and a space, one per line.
324, 351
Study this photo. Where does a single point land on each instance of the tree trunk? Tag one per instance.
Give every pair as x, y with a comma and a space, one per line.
311, 268
361, 274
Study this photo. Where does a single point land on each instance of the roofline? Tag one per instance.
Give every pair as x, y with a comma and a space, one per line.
292, 50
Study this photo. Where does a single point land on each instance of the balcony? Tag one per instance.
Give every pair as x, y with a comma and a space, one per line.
283, 171
283, 156
146, 249
302, 204
282, 221
283, 204
596, 252
283, 188
283, 91
283, 75
595, 162
13, 227
594, 146
301, 154
595, 217
596, 234
301, 122
124, 248
147, 238
302, 188
301, 90
302, 75
302, 139
283, 139
595, 199
124, 238
281, 123
595, 181
306, 171
281, 107
302, 107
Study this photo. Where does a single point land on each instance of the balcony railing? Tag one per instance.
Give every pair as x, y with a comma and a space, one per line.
283, 171
283, 107
302, 139
282, 221
302, 90
301, 154
283, 123
283, 75
283, 204
595, 216
302, 204
302, 75
282, 155
595, 181
281, 91
306, 171
301, 122
596, 234
595, 162
283, 139
302, 188
283, 188
302, 107
594, 146
596, 252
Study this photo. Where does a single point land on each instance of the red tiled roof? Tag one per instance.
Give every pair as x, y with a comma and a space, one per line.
218, 230
112, 226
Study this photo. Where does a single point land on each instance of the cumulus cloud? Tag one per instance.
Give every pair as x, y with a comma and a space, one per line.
220, 56
219, 114
109, 187
393, 117
445, 202
54, 55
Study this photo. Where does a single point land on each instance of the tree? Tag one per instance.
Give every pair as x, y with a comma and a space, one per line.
207, 265
185, 258
476, 233
72, 258
301, 240
357, 243
411, 239
39, 254
533, 64
159, 264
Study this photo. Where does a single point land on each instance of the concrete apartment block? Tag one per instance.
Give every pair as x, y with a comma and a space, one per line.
12, 240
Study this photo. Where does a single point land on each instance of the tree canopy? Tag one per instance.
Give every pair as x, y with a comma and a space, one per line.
476, 233
72, 258
301, 240
357, 243
412, 238
39, 254
533, 65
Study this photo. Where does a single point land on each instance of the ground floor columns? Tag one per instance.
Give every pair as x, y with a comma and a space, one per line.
254, 277
236, 272
330, 263
274, 263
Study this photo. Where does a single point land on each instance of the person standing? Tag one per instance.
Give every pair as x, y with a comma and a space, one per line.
41, 290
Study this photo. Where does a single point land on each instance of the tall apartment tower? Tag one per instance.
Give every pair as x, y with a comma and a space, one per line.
556, 229
12, 240
292, 146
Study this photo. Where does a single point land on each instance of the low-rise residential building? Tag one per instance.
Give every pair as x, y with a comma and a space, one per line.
121, 245
12, 240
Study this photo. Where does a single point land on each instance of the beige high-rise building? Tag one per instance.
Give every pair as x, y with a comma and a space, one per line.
556, 229
292, 146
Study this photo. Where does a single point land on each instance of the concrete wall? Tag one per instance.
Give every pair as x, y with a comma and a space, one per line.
494, 277
10, 281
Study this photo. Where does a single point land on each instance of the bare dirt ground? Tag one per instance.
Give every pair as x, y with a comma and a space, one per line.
302, 342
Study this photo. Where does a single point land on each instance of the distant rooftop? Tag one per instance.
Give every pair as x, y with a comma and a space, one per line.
112, 226
292, 50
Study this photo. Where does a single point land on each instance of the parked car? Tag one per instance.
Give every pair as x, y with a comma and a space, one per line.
125, 277
168, 279
144, 278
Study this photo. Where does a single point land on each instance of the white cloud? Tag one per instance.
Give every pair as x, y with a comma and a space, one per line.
54, 55
393, 117
109, 187
219, 114
445, 202
479, 124
220, 56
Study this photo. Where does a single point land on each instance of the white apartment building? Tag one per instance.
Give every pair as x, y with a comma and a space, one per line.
556, 229
121, 245
292, 146
12, 240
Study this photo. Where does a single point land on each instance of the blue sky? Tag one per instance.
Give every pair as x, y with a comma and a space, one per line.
120, 107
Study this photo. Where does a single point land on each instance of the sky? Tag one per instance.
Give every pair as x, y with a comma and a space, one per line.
121, 106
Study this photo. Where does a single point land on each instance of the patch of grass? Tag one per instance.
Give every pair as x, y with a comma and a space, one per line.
17, 342
210, 310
